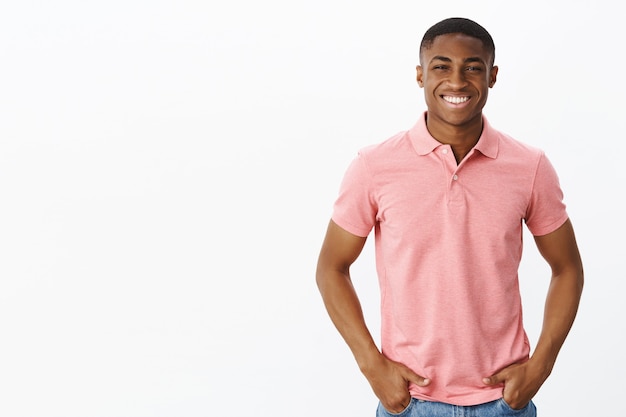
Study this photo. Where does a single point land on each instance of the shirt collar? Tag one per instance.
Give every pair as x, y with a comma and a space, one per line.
424, 143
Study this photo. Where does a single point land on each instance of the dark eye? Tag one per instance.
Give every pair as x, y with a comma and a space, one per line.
474, 69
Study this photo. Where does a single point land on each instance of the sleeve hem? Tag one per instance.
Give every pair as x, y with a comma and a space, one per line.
351, 228
542, 231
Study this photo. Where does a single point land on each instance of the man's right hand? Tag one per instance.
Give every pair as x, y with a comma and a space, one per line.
390, 382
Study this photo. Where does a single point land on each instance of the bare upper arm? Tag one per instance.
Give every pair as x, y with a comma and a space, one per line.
559, 248
340, 248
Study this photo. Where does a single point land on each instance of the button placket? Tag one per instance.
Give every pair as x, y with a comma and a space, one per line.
455, 193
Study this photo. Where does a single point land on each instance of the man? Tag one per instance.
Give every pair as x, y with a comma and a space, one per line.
447, 200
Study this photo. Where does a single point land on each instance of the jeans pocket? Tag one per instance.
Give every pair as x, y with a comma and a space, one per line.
528, 410
382, 412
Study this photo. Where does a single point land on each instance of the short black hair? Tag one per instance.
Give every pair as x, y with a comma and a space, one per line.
459, 25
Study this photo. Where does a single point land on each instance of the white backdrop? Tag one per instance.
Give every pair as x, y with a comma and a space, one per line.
167, 171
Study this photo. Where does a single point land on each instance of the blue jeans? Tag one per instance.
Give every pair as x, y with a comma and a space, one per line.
497, 408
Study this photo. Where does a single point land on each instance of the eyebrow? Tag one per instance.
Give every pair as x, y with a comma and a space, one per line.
465, 61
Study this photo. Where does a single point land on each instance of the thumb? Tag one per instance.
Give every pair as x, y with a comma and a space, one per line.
493, 379
415, 378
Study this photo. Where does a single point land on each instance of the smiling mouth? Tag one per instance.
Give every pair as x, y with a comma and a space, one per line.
455, 100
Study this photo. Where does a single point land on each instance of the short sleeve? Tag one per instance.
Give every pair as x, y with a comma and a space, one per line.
546, 211
355, 209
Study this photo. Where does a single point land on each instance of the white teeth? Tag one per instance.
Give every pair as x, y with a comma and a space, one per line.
455, 100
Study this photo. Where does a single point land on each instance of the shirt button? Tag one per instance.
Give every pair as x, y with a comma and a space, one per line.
445, 151
455, 177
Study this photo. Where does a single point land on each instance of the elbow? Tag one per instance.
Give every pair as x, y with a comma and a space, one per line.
578, 275
327, 274
322, 274
576, 278
319, 277
579, 272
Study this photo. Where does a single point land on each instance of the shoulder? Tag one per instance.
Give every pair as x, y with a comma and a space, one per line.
380, 155
519, 147
389, 145
516, 152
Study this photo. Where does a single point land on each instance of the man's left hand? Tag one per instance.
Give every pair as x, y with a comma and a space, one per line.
521, 383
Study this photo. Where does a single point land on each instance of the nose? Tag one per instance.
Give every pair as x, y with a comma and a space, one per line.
457, 78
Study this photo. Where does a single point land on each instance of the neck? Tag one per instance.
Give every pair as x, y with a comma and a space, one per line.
461, 138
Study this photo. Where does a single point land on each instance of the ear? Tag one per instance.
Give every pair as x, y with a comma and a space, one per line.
420, 76
493, 75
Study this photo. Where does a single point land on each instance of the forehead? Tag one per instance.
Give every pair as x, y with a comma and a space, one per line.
455, 46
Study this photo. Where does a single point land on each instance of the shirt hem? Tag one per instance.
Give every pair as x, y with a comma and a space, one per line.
466, 401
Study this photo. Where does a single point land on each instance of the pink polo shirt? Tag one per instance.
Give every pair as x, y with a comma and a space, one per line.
448, 242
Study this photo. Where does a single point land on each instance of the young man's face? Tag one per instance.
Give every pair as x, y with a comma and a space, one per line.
456, 75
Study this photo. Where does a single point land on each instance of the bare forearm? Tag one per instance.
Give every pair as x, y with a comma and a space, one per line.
560, 311
345, 311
